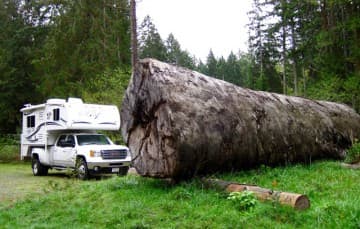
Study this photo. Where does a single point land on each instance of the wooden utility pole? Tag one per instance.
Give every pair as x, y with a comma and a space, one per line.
134, 55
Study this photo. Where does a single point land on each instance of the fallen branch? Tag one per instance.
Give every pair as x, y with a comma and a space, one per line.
297, 201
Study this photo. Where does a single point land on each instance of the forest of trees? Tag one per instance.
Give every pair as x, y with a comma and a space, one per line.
62, 48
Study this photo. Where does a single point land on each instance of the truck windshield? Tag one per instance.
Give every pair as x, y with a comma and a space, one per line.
91, 139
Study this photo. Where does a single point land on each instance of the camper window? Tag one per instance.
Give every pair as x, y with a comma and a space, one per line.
31, 121
56, 114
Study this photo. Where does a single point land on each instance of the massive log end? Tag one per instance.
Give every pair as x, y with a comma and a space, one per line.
178, 123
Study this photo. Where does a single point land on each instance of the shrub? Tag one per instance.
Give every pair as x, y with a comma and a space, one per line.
9, 147
353, 154
9, 153
244, 200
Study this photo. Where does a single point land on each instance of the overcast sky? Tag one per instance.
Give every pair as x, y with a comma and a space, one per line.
200, 25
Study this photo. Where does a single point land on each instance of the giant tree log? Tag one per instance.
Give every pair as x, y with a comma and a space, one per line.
178, 123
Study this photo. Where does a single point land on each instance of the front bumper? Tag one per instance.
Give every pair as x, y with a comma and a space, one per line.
106, 167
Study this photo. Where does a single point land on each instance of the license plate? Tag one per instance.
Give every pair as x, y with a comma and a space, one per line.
115, 170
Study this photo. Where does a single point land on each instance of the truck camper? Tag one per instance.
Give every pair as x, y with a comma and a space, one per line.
61, 134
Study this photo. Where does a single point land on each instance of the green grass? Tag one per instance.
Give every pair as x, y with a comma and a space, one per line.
18, 183
136, 202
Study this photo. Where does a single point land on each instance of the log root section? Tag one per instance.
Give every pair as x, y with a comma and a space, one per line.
179, 123
297, 201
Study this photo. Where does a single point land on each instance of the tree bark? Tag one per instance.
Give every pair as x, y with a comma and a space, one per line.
179, 123
297, 201
283, 42
134, 45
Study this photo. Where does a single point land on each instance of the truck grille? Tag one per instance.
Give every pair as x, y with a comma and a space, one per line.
113, 154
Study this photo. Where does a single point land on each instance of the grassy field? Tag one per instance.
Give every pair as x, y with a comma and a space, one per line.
59, 201
18, 183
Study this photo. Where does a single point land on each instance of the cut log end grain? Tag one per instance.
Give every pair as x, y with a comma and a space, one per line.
302, 202
179, 123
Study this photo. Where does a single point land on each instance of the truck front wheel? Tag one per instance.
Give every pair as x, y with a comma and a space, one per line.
123, 171
82, 171
38, 169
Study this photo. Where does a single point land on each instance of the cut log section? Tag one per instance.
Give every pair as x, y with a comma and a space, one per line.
351, 166
297, 201
178, 123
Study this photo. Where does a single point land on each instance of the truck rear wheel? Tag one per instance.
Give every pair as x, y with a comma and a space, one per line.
38, 169
82, 171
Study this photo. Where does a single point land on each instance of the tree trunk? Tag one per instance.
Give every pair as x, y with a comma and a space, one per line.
283, 42
295, 56
179, 123
297, 201
134, 45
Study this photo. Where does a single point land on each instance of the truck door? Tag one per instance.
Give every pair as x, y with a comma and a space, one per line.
64, 151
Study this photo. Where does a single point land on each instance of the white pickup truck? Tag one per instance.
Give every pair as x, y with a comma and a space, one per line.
86, 153
61, 135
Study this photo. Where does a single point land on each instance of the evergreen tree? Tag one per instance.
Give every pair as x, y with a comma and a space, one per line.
220, 70
201, 67
87, 38
246, 63
150, 42
265, 48
211, 64
313, 44
174, 53
233, 70
20, 41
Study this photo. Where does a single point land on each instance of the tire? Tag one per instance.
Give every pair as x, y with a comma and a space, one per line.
38, 169
123, 171
82, 171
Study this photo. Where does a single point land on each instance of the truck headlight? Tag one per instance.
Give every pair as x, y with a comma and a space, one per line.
95, 153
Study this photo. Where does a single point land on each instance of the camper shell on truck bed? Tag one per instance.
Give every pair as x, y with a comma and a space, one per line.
42, 122
44, 126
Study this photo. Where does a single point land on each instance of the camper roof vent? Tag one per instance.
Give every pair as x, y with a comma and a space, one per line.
75, 100
55, 101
